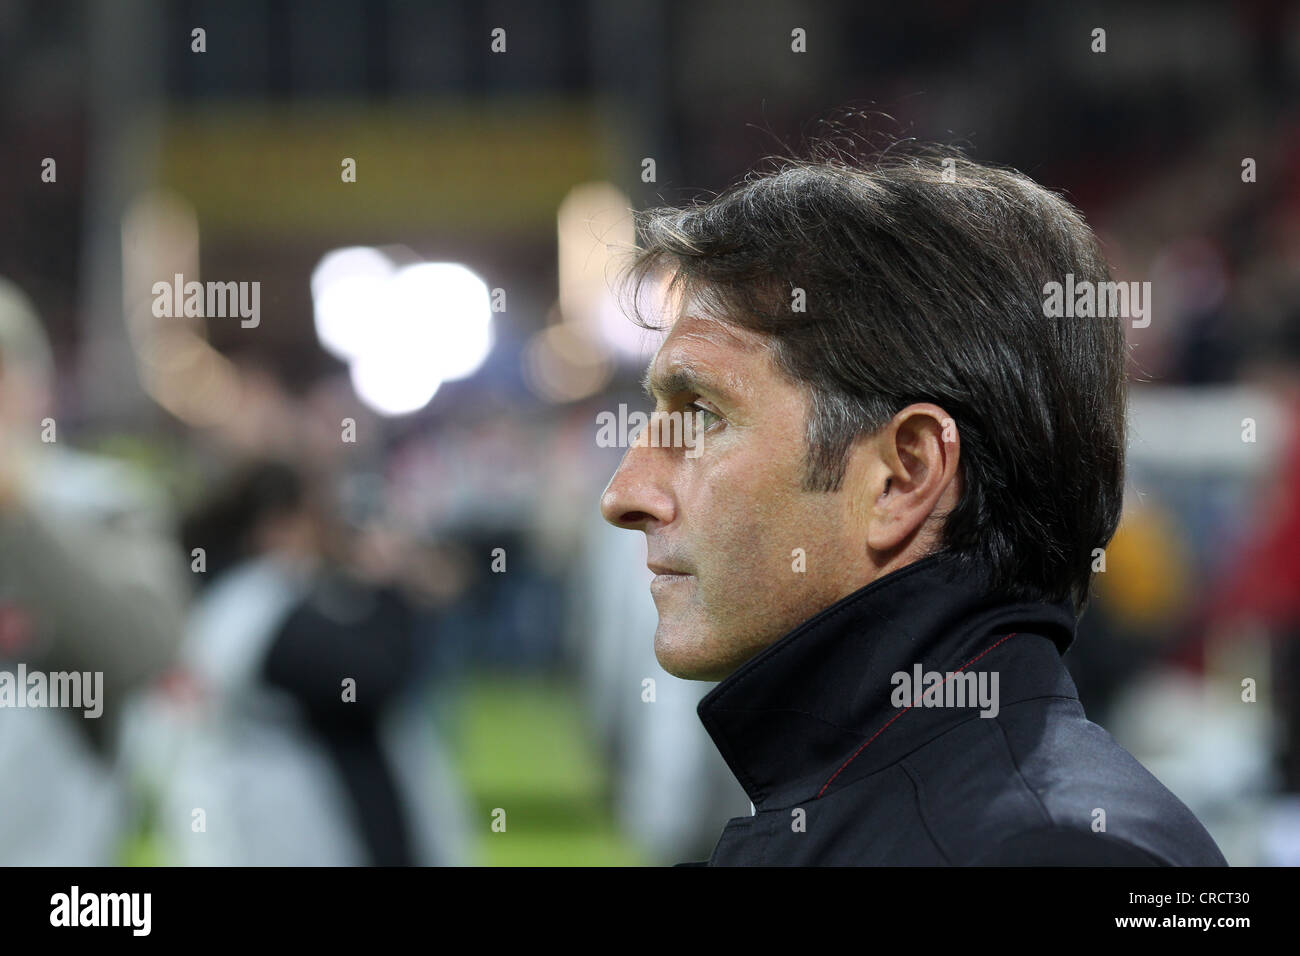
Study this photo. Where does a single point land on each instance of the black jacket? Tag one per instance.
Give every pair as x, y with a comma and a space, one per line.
841, 775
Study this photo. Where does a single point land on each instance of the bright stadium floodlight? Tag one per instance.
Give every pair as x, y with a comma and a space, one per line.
403, 331
445, 313
347, 288
393, 382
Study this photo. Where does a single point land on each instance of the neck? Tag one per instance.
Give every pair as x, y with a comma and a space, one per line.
788, 719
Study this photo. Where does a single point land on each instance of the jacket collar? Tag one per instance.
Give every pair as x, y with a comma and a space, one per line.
815, 707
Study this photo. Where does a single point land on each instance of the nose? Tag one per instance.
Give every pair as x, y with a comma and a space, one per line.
636, 497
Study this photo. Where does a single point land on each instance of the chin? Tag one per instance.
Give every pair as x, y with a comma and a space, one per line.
690, 659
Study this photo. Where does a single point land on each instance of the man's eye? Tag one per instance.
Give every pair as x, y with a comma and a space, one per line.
709, 419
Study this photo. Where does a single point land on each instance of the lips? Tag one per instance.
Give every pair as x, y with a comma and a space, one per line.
667, 580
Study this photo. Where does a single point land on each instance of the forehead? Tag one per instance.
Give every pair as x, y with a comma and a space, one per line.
705, 346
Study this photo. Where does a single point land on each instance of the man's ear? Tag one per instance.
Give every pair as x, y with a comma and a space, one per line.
912, 477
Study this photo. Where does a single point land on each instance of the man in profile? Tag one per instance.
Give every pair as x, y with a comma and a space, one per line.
907, 471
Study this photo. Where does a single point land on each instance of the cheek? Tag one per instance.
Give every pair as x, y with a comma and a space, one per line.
742, 520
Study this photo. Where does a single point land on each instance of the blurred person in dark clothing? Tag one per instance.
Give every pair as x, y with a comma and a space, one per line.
300, 752
882, 535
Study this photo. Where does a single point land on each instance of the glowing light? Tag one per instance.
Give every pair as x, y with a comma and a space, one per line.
442, 311
403, 331
393, 382
347, 286
596, 234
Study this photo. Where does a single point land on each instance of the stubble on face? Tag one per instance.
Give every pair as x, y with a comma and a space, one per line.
741, 516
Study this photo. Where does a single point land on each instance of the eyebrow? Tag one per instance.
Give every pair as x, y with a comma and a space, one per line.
679, 379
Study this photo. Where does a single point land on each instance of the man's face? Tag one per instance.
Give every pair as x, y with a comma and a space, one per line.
742, 553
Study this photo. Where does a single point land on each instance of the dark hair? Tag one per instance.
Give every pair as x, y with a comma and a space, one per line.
924, 279
224, 521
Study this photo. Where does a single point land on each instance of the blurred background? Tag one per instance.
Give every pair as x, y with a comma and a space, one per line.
381, 457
